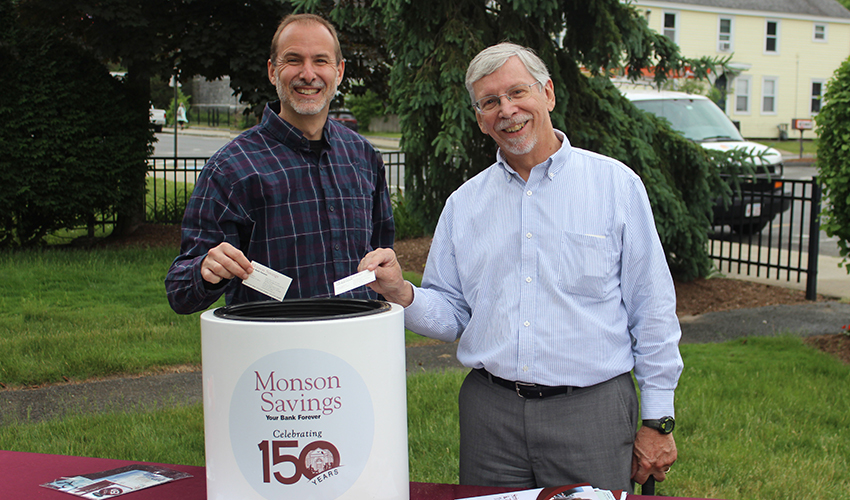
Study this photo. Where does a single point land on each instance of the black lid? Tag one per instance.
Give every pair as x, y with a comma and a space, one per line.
313, 309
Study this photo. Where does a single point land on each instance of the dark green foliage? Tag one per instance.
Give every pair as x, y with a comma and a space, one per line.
69, 141
406, 224
834, 159
365, 107
433, 43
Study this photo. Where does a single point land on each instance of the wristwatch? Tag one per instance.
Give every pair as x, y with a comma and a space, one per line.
664, 425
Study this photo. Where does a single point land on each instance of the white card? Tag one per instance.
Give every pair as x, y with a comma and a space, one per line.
353, 281
268, 281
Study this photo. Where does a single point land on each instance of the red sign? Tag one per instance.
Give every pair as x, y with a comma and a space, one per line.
802, 124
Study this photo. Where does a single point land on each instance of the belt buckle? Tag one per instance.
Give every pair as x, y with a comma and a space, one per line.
523, 385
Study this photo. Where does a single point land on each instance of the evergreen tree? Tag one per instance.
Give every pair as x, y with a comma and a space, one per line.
580, 41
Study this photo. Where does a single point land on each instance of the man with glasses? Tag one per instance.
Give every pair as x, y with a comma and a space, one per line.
548, 269
299, 193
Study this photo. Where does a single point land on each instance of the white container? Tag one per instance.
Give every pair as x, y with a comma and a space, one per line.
305, 399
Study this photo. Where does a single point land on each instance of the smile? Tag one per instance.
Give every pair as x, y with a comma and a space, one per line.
515, 128
307, 91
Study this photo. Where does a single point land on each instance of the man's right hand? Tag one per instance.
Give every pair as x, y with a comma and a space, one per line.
389, 281
225, 262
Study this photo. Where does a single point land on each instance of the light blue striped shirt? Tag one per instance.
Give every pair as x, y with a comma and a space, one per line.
560, 280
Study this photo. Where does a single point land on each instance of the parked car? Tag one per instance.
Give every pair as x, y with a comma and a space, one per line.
700, 120
157, 118
345, 117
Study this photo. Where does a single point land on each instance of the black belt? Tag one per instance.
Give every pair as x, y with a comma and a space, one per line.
526, 390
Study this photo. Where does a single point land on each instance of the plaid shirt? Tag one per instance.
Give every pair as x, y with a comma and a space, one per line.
309, 217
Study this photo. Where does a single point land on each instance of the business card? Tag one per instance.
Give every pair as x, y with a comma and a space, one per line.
353, 281
268, 281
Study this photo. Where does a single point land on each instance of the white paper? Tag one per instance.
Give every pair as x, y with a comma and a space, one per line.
353, 281
573, 492
268, 281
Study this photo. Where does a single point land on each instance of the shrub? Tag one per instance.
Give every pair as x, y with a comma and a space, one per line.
407, 224
834, 159
69, 139
365, 107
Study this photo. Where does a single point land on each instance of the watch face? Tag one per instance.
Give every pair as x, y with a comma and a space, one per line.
666, 425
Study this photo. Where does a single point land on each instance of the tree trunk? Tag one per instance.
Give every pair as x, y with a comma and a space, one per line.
131, 211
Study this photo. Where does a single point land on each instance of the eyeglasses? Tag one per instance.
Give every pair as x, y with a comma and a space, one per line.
490, 103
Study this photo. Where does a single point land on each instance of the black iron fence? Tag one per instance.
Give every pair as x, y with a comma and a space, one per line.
170, 183
786, 248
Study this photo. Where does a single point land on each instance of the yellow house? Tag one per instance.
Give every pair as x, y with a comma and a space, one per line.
783, 53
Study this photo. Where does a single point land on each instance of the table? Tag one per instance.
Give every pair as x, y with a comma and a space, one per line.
21, 474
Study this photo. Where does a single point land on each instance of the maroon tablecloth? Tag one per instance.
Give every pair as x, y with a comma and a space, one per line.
22, 473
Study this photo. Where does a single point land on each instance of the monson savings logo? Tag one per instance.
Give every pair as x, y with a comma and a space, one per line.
286, 397
303, 419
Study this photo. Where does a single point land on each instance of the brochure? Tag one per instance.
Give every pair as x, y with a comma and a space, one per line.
115, 482
571, 492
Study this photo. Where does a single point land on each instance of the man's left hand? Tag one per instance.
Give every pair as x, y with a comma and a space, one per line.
653, 454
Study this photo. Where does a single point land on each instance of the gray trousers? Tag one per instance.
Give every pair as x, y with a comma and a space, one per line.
585, 436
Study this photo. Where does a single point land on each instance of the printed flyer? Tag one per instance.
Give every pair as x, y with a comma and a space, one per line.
571, 492
115, 482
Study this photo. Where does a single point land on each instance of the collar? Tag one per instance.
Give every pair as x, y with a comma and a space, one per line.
286, 133
551, 167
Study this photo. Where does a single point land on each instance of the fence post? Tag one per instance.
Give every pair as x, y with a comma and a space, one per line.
814, 242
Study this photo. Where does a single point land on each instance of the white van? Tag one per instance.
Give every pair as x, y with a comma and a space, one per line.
700, 120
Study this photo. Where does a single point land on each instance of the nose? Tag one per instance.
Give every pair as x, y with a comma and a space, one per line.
506, 106
308, 72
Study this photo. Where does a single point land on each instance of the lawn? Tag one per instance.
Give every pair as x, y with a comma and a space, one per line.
757, 418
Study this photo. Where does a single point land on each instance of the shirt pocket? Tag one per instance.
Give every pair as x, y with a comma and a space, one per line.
585, 264
356, 190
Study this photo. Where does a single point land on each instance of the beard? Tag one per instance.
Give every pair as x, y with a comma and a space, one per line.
520, 145
290, 97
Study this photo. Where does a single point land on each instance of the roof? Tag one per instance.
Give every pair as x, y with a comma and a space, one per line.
819, 8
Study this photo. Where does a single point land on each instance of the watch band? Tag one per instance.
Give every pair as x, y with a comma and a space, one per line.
664, 425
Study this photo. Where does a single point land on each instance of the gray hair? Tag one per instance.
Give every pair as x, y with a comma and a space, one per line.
492, 58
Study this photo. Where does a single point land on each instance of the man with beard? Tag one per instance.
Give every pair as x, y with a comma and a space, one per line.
548, 269
298, 193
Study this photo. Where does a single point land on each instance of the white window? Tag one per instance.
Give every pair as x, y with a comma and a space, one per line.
819, 33
817, 95
768, 95
671, 25
742, 95
724, 34
771, 37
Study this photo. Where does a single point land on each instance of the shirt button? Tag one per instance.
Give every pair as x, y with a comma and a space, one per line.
336, 247
331, 208
528, 235
528, 280
551, 176
527, 323
528, 192
525, 368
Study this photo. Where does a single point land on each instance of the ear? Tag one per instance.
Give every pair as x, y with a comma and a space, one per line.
271, 71
479, 119
341, 72
549, 92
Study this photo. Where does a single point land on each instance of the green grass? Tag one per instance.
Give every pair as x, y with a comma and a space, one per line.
792, 145
76, 314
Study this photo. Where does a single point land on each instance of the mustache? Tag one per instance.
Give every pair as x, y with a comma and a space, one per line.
514, 120
304, 83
